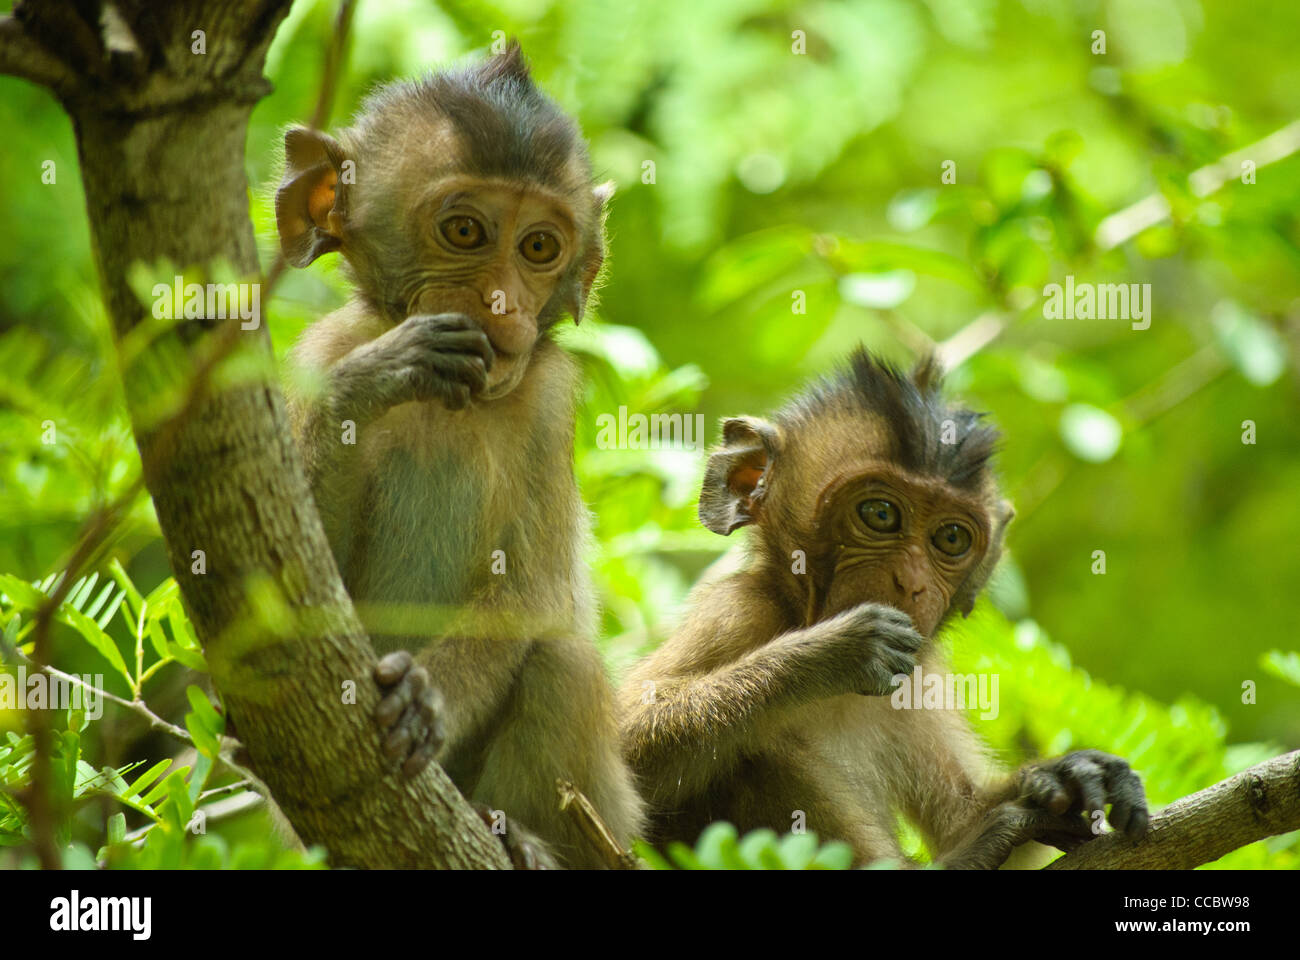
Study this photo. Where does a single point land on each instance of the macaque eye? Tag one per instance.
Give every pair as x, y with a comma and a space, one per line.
463, 232
540, 247
880, 515
952, 539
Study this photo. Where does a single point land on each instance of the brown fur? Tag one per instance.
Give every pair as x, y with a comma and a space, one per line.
454, 462
754, 709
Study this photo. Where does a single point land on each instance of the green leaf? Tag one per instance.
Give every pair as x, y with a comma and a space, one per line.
752, 262
191, 659
1090, 433
135, 602
182, 629
178, 808
718, 848
157, 639
100, 600
161, 594
651, 856
213, 722
1284, 666
163, 789
80, 591
199, 778
117, 828
77, 856
22, 594
1254, 347
797, 850
683, 856
1005, 170
912, 209
878, 256
146, 778
833, 856
204, 741
104, 618
90, 631
758, 850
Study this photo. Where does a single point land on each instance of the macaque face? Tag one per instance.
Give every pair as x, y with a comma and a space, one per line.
905, 540
493, 250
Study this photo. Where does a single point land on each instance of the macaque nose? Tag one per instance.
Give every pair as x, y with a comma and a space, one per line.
910, 585
511, 333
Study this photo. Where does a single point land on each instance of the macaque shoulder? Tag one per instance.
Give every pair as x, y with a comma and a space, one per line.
334, 336
728, 617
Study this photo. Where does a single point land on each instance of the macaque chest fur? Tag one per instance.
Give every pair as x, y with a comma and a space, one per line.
457, 504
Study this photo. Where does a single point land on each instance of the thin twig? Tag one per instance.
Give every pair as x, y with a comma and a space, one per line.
135, 706
594, 827
333, 61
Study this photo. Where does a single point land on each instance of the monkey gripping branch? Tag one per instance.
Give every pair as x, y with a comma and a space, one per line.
159, 97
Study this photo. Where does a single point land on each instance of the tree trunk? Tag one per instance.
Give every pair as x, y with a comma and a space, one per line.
161, 137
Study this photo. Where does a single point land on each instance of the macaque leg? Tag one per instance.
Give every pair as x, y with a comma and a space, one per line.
529, 751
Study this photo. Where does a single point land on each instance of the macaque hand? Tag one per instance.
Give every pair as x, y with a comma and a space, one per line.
443, 356
862, 649
525, 850
410, 713
1084, 782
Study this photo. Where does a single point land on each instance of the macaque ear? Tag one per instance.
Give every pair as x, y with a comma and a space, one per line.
308, 210
736, 476
594, 255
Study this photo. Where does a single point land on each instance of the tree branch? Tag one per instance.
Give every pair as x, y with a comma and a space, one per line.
1257, 803
162, 159
22, 56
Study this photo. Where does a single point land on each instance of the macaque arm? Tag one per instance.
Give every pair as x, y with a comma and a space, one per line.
318, 422
974, 818
688, 722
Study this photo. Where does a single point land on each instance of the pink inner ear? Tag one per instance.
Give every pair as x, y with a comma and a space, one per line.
745, 479
321, 200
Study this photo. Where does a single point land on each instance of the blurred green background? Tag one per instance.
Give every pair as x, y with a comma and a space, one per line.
822, 172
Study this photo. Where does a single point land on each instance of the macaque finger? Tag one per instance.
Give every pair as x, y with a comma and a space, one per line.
1090, 781
1044, 788
900, 662
398, 742
430, 706
418, 760
418, 680
473, 342
392, 667
1128, 812
1067, 833
391, 708
1138, 824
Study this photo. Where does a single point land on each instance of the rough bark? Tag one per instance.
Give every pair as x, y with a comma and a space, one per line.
1257, 803
161, 136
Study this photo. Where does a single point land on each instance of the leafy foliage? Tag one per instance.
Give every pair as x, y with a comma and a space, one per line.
786, 181
719, 848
